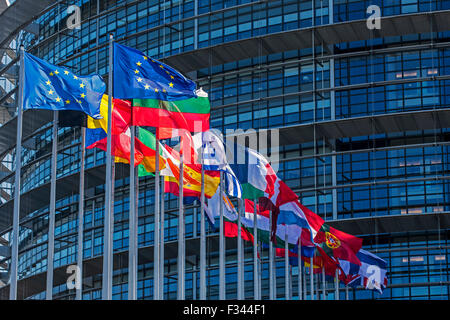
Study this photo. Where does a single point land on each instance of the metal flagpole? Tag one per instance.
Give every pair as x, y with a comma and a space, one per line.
79, 288
221, 245
271, 277
109, 200
255, 252
286, 264
156, 225
132, 248
324, 285
239, 254
181, 251
311, 276
346, 292
202, 236
52, 211
161, 237
300, 273
259, 270
18, 160
336, 283
305, 293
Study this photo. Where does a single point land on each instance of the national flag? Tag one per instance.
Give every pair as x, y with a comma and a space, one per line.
338, 244
137, 76
253, 171
214, 158
263, 224
371, 274
230, 216
169, 116
96, 135
50, 87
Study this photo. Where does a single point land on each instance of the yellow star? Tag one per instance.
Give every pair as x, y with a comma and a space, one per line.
171, 85
50, 92
145, 58
136, 71
75, 77
167, 72
83, 95
161, 66
164, 90
138, 63
81, 85
66, 72
56, 72
156, 90
51, 73
48, 82
172, 77
146, 87
78, 101
139, 79
67, 101
58, 99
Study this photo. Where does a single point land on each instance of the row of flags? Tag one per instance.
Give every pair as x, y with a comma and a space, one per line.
149, 93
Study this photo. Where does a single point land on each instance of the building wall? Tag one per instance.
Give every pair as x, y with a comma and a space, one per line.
296, 87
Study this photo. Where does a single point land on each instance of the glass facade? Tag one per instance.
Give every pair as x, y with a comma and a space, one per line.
356, 177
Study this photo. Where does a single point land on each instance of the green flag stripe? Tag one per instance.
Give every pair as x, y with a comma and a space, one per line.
192, 105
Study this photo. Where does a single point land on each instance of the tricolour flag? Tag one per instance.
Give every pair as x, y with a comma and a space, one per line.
96, 136
51, 87
169, 116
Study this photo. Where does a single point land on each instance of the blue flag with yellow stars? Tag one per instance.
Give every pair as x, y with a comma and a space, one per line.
137, 76
50, 87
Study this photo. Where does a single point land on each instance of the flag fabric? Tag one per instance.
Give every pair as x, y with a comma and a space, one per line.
137, 76
191, 170
191, 114
96, 136
262, 224
372, 274
230, 215
51, 87
214, 158
253, 171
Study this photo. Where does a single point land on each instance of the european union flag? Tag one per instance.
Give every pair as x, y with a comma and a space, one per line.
137, 76
50, 87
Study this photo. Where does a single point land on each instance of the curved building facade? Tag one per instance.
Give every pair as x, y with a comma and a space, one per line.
362, 115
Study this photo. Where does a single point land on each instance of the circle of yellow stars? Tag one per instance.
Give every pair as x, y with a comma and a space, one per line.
141, 80
51, 92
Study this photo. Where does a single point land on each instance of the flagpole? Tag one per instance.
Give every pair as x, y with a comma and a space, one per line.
271, 278
311, 276
221, 245
17, 180
52, 211
305, 293
346, 292
336, 283
156, 225
286, 264
202, 234
324, 284
132, 248
239, 253
181, 250
79, 289
255, 252
300, 270
109, 200
161, 237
